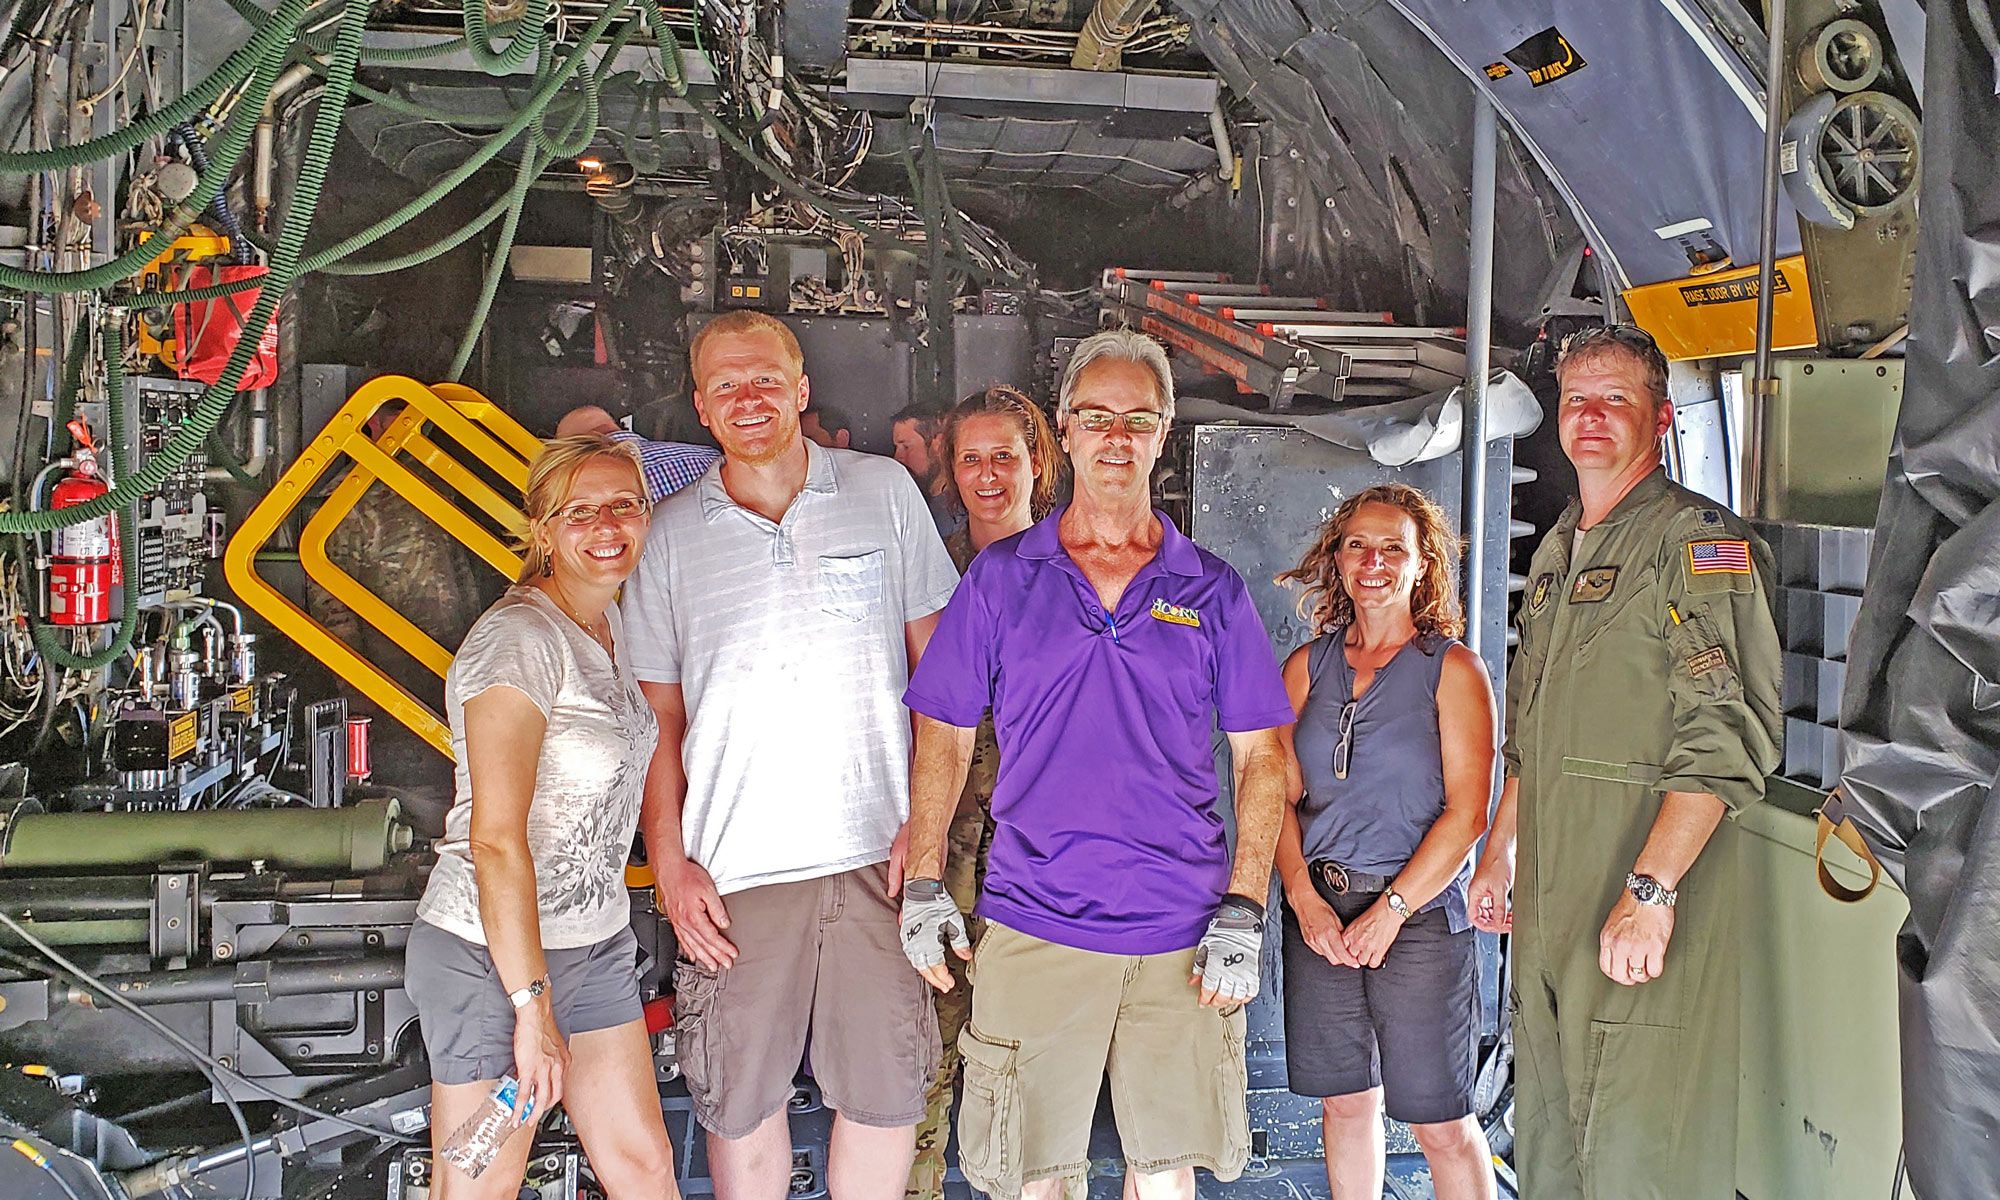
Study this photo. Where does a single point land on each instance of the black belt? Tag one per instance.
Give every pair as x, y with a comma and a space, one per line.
1331, 879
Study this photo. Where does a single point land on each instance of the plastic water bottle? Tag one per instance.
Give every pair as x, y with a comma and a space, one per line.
473, 1144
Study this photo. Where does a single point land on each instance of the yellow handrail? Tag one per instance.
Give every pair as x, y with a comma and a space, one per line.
470, 421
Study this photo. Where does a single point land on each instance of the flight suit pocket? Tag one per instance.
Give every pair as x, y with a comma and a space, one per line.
989, 1117
1611, 612
850, 585
694, 996
1702, 670
1628, 1102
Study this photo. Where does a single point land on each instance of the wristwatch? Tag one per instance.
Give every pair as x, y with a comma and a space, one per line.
1397, 904
523, 997
1648, 890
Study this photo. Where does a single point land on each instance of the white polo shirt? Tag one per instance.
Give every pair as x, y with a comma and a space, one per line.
787, 641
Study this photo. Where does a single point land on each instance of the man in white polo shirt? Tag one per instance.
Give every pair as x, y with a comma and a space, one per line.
781, 604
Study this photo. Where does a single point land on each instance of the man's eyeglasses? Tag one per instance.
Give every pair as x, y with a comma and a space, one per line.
1343, 750
623, 509
1102, 420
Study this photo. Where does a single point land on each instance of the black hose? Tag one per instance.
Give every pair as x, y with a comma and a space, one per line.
225, 217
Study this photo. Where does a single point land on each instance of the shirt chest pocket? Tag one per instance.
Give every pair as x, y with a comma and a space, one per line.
1632, 604
851, 585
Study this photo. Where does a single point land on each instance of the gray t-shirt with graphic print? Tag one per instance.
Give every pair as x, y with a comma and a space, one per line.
588, 782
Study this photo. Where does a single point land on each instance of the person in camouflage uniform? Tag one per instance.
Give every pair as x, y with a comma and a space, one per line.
1002, 468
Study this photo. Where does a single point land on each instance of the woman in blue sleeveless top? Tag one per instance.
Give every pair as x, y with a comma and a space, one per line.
1395, 749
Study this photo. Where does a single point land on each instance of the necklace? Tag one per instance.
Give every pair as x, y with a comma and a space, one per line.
602, 639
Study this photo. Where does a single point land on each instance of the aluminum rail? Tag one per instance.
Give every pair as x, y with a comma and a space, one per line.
1478, 354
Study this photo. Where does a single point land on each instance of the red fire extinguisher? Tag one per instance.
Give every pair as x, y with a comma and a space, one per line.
83, 559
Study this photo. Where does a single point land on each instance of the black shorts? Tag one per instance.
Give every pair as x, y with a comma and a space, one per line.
1409, 1026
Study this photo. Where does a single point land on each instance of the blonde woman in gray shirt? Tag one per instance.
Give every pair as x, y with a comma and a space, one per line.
522, 961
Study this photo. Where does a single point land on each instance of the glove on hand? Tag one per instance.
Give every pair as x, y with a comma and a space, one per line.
1230, 955
930, 919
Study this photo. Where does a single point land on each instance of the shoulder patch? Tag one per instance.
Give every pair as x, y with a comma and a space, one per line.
1719, 556
1711, 517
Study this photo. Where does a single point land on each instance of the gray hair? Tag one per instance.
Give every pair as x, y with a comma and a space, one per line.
1123, 345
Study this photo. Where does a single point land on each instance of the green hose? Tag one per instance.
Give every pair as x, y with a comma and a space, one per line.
229, 151
517, 199
437, 249
528, 36
46, 639
274, 33
216, 399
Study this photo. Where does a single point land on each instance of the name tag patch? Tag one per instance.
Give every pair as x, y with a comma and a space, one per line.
1712, 659
1593, 585
1174, 614
1719, 556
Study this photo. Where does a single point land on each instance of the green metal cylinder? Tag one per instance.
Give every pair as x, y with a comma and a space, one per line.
360, 837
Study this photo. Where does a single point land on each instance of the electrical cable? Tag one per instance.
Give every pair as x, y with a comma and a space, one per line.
27, 1150
201, 1058
529, 35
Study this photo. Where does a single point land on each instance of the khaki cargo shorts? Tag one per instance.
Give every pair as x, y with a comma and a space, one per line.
820, 954
1049, 1021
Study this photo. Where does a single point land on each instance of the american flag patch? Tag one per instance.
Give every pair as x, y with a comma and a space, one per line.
1722, 556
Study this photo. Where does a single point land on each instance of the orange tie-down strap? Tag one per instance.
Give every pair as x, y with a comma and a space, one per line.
472, 425
1834, 822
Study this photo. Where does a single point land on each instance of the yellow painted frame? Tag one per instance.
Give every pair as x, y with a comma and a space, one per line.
475, 423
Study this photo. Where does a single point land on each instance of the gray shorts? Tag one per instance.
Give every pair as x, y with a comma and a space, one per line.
467, 1021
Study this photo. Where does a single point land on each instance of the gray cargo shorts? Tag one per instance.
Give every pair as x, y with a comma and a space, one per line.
467, 1020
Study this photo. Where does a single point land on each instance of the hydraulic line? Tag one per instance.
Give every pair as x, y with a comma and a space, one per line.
529, 34
439, 248
216, 400
234, 145
274, 33
225, 217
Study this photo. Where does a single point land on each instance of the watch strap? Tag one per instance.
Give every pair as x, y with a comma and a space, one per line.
1397, 904
522, 997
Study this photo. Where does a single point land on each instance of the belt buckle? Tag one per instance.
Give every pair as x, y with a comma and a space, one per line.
1336, 877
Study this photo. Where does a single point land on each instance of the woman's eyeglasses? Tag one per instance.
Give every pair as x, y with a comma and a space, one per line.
623, 509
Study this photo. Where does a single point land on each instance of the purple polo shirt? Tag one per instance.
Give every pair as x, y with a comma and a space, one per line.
1106, 835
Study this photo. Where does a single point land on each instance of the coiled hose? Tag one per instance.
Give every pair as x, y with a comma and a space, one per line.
274, 33
529, 34
215, 401
234, 144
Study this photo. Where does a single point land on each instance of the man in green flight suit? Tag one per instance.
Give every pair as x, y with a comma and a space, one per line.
1642, 709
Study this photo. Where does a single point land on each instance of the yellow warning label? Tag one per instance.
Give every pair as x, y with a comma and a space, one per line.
243, 700
182, 733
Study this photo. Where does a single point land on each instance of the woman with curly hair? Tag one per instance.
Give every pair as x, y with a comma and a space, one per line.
1395, 747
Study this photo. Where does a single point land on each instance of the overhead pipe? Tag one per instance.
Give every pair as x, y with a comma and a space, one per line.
264, 163
1225, 154
1110, 26
1478, 356
1761, 383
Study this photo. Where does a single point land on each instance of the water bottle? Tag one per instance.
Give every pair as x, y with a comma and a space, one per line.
473, 1144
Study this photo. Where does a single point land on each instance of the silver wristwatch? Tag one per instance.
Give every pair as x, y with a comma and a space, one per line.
523, 997
1397, 904
1648, 890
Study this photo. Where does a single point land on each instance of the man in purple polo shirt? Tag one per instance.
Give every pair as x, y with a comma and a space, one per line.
1119, 934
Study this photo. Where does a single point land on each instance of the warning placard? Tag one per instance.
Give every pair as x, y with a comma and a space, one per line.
1729, 291
1546, 57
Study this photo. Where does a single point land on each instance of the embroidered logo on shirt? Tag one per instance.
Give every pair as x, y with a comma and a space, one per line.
1540, 596
1593, 585
1719, 556
1174, 614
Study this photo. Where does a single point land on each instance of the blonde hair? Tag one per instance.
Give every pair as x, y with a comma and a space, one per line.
1044, 457
746, 320
1324, 603
552, 479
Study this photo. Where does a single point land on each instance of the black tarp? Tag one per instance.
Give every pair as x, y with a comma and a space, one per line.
1921, 714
